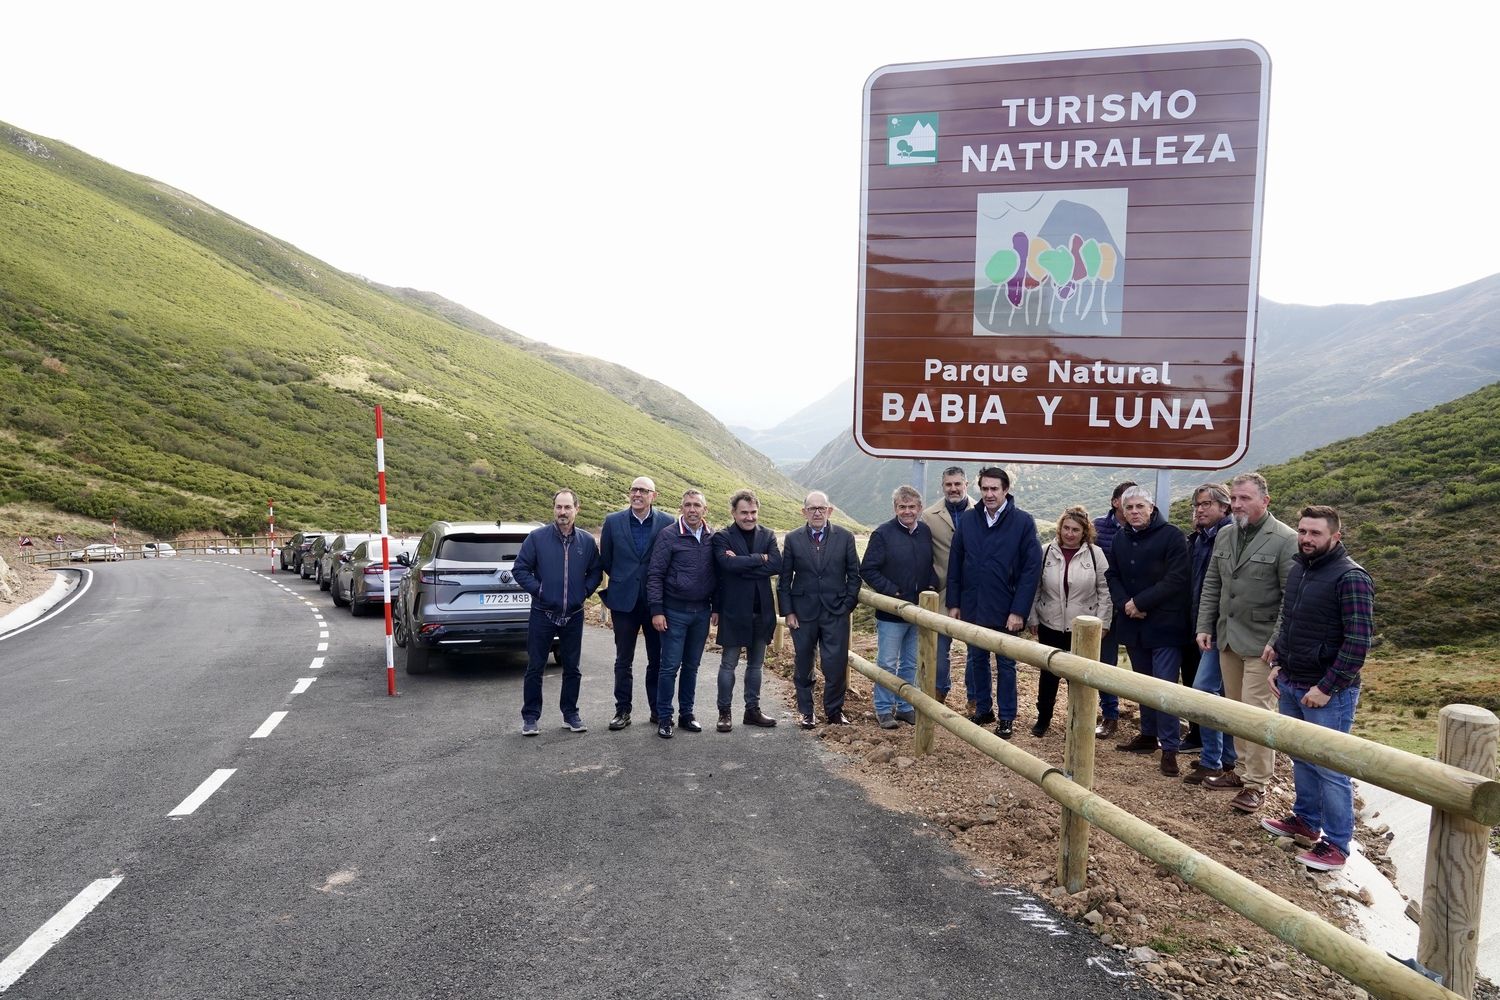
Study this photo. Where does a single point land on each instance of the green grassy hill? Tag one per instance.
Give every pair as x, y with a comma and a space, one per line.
1420, 500
169, 365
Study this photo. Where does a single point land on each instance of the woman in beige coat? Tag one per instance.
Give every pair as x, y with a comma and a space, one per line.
1072, 584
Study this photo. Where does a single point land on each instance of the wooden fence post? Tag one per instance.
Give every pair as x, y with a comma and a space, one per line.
1078, 758
926, 673
1453, 884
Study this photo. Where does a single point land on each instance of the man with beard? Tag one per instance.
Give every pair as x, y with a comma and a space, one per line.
1242, 592
1327, 619
748, 560
941, 518
1148, 580
625, 551
558, 565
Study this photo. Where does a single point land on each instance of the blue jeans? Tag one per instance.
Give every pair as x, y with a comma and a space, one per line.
944, 674
1218, 748
755, 659
1165, 664
978, 677
1109, 652
897, 652
1325, 797
681, 652
539, 632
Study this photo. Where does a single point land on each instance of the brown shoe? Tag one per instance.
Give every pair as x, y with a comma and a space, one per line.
1248, 801
1143, 743
725, 722
1106, 728
1169, 763
1222, 780
1198, 775
754, 717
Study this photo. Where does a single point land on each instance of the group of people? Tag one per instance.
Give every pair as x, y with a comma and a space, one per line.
1244, 606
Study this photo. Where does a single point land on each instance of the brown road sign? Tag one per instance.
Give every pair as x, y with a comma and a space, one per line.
1060, 256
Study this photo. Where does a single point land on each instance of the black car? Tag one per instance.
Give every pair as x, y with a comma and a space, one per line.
359, 582
309, 564
292, 552
459, 595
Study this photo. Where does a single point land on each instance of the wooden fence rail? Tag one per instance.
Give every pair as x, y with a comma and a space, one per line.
1464, 802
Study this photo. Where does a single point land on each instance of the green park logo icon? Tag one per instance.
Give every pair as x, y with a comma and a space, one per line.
911, 140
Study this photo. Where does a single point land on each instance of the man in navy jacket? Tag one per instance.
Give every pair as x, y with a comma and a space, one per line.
898, 563
625, 552
680, 586
558, 565
993, 572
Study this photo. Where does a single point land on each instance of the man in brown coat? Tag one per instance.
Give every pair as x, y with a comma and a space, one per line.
940, 518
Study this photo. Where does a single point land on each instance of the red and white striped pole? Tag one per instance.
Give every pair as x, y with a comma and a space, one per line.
385, 555
271, 532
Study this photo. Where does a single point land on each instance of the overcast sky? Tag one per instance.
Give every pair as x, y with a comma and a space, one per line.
676, 186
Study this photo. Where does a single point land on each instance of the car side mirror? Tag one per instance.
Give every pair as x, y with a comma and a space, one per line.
402, 559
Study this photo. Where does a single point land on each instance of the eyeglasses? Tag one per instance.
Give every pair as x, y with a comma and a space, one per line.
818, 510
639, 489
1208, 503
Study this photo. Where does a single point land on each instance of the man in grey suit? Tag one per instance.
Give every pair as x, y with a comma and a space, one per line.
625, 552
1242, 592
817, 591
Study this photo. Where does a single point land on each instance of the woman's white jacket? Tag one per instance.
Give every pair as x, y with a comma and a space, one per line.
1088, 593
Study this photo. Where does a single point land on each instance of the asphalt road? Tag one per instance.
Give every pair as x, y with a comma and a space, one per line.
419, 846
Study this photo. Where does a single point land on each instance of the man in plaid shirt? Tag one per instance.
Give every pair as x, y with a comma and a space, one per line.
1316, 652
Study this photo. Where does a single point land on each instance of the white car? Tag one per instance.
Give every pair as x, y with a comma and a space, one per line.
98, 552
157, 550
226, 550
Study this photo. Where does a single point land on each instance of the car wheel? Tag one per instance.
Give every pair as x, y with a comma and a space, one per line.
333, 592
418, 659
323, 582
356, 608
303, 571
398, 627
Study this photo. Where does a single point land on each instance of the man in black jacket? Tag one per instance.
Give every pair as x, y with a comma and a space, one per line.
898, 563
748, 559
680, 588
817, 591
558, 565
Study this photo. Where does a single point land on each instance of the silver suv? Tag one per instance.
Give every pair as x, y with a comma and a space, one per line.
458, 594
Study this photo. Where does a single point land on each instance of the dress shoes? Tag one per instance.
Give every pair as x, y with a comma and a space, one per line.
1169, 763
987, 719
1198, 775
839, 719
654, 720
688, 724
619, 722
1248, 801
806, 722
1143, 743
1222, 780
1004, 728
754, 717
1040, 729
725, 722
664, 730
1106, 728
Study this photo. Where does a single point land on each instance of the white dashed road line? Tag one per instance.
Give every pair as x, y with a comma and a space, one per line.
53, 931
316, 664
322, 647
200, 795
303, 683
271, 723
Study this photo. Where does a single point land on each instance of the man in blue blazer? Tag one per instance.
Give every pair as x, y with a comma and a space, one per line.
625, 552
994, 568
817, 590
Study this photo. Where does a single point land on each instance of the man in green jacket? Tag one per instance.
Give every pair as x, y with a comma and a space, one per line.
1237, 613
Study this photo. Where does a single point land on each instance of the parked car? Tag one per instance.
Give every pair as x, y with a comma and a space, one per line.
228, 550
98, 552
459, 595
335, 552
296, 547
358, 582
157, 550
308, 567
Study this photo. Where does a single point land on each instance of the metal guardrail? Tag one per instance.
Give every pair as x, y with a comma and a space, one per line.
1463, 800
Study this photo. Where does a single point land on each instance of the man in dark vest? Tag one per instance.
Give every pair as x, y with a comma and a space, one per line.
625, 552
748, 560
1316, 653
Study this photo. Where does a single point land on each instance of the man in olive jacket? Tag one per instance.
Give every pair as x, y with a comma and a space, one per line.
1242, 593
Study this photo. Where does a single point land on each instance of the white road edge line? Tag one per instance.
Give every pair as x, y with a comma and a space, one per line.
202, 792
54, 930
67, 602
303, 683
271, 723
